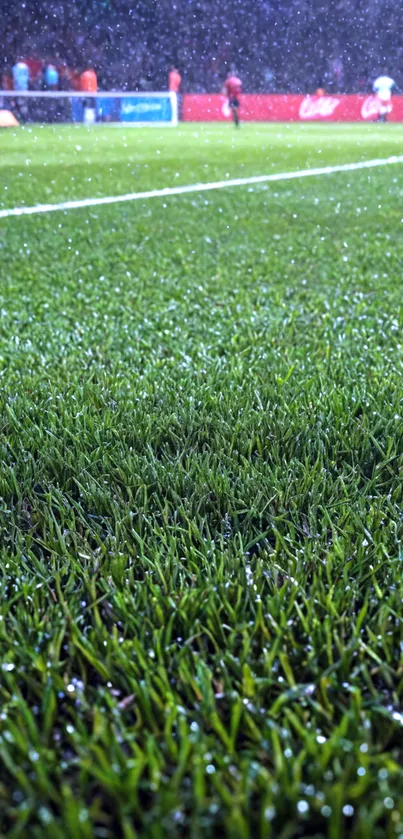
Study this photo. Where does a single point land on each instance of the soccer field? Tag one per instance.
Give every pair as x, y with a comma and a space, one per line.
201, 505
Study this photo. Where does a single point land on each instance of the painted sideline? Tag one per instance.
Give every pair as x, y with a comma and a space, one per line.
201, 187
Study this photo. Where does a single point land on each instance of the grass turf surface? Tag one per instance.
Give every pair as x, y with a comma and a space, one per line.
201, 488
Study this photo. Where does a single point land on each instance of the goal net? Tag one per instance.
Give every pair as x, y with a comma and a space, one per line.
120, 108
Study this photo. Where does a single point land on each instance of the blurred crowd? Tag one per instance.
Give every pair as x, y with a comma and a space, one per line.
275, 45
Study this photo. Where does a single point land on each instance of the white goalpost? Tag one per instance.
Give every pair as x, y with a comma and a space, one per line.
129, 108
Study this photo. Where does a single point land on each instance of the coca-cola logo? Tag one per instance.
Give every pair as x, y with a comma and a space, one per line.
371, 107
314, 107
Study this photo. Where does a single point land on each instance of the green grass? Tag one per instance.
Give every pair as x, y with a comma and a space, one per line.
201, 488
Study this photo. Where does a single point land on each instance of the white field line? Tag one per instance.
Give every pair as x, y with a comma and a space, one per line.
201, 187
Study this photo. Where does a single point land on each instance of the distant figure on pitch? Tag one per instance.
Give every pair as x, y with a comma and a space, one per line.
174, 85
174, 79
89, 85
20, 73
382, 87
233, 90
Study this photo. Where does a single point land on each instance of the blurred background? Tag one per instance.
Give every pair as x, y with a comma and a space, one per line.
276, 45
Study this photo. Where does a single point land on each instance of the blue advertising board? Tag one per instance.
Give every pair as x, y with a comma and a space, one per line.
146, 109
141, 108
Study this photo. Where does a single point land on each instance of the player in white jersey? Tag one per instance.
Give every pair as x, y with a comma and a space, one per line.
383, 87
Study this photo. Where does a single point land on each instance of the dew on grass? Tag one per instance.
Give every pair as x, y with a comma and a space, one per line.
178, 817
45, 815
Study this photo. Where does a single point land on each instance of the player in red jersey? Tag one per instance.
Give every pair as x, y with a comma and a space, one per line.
233, 89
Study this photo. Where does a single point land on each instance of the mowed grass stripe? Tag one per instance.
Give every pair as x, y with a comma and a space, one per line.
165, 192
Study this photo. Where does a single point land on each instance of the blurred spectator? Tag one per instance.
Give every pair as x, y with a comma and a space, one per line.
6, 80
89, 81
20, 75
89, 85
51, 77
174, 80
66, 77
336, 73
269, 80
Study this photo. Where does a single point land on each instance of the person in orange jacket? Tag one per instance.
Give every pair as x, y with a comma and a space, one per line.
89, 85
174, 80
89, 81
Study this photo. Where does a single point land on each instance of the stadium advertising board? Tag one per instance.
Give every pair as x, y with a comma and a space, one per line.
289, 108
138, 108
146, 109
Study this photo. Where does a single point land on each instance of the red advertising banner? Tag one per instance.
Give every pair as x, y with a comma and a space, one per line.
289, 108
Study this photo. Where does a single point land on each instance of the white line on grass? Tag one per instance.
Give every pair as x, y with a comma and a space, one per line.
202, 187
